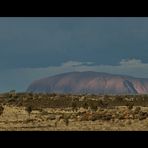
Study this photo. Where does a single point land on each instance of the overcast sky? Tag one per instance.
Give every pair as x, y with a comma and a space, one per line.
33, 48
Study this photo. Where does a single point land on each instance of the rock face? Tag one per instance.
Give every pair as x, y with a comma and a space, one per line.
90, 82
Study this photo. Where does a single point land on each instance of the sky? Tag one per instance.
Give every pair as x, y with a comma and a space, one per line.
36, 47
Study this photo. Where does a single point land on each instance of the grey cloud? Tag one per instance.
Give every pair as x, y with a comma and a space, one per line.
19, 79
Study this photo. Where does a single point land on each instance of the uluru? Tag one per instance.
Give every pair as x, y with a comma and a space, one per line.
90, 82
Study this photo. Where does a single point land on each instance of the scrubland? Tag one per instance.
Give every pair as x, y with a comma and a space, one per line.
67, 112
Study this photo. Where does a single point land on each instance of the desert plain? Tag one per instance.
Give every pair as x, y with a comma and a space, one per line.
67, 112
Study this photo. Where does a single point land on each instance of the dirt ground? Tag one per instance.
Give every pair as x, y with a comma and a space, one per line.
17, 119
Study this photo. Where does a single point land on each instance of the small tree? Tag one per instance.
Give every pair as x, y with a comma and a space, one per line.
130, 105
56, 123
58, 119
66, 120
93, 107
12, 91
137, 109
28, 110
1, 109
103, 104
85, 105
74, 106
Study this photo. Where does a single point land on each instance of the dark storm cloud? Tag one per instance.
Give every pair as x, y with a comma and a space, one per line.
41, 43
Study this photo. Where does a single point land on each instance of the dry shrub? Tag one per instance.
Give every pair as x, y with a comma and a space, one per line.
28, 109
137, 110
1, 109
130, 105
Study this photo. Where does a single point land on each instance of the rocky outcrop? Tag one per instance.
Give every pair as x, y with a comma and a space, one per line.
90, 82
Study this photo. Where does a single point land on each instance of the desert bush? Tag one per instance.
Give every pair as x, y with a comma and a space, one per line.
103, 104
85, 117
142, 115
12, 93
85, 105
51, 117
94, 106
56, 123
128, 122
137, 109
28, 110
66, 120
74, 106
30, 94
28, 121
106, 97
95, 117
43, 112
119, 98
1, 109
107, 117
52, 94
11, 100
58, 118
130, 105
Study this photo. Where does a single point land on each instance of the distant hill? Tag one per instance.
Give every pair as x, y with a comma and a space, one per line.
90, 82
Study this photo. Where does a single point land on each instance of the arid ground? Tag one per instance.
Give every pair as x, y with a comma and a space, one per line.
59, 112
